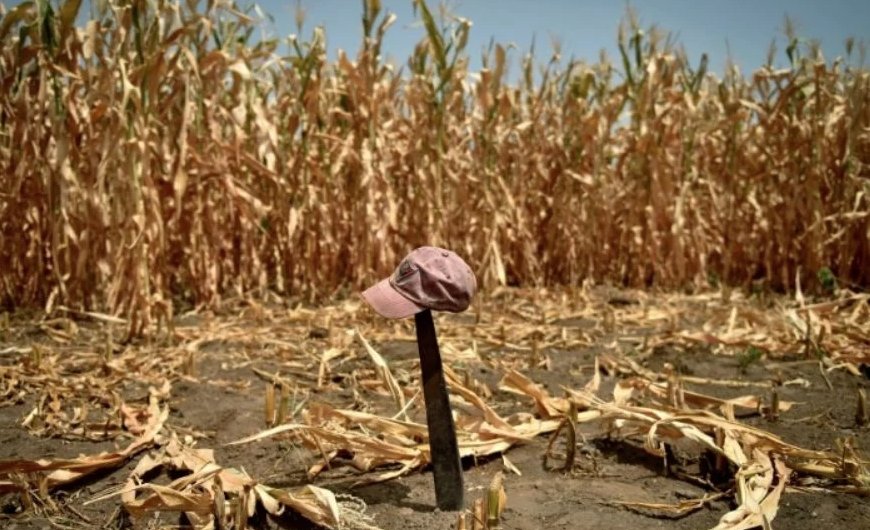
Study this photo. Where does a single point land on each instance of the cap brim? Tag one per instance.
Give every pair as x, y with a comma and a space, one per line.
388, 302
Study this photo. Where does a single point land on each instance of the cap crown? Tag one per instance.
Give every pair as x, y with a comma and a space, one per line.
435, 278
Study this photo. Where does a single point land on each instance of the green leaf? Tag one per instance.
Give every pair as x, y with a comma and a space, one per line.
434, 36
626, 63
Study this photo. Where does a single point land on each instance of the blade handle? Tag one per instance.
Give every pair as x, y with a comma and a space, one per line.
446, 462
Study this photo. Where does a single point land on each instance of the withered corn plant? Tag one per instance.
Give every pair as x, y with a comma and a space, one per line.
163, 154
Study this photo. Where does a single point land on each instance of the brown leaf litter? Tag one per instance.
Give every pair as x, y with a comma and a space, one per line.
513, 332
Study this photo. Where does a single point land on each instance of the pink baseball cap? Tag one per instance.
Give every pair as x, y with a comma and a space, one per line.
427, 278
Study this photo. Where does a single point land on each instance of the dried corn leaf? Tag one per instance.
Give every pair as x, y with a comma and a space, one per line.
54, 473
384, 373
194, 492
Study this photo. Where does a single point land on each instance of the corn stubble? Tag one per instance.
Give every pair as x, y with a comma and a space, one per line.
159, 155
76, 384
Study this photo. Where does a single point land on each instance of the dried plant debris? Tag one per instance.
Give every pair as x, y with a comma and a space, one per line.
763, 464
211, 496
673, 511
79, 393
247, 182
374, 441
77, 383
43, 475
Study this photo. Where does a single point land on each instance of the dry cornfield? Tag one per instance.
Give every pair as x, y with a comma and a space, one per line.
164, 170
158, 157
